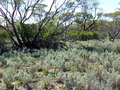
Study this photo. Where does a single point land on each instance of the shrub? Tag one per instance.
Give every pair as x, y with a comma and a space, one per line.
82, 35
4, 34
4, 40
79, 68
27, 31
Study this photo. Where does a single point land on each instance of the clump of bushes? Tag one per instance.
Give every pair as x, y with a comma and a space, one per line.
82, 35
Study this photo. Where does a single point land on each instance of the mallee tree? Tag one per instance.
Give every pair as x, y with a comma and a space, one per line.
49, 21
16, 13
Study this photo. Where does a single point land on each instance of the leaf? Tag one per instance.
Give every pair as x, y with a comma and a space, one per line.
78, 21
70, 4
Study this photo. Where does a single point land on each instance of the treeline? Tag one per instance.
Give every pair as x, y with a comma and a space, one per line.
32, 25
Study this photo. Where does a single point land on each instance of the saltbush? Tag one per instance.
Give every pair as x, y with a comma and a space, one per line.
85, 65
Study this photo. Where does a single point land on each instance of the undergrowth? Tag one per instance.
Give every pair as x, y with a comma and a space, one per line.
85, 65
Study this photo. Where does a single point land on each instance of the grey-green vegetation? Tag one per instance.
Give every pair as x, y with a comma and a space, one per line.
85, 65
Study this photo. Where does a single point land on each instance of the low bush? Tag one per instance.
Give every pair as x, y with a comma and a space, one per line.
82, 35
96, 66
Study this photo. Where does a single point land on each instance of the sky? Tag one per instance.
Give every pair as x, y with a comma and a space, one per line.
109, 6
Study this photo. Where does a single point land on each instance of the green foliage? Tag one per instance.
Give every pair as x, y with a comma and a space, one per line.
8, 76
4, 39
48, 34
49, 31
70, 4
82, 35
113, 15
23, 76
74, 32
44, 85
4, 34
43, 73
27, 31
78, 21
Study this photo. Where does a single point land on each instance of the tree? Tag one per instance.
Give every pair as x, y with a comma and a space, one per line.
16, 13
87, 18
113, 26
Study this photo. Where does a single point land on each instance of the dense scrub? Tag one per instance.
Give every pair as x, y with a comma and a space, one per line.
86, 65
